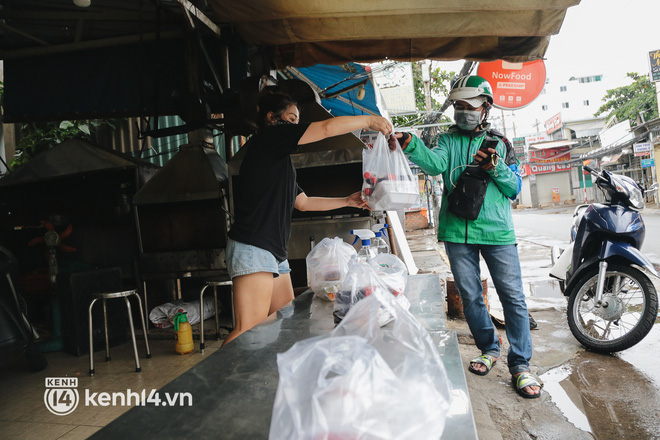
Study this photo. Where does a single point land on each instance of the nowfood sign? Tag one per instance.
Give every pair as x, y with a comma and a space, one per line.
515, 85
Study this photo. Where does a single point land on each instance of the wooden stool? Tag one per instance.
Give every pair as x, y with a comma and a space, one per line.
110, 295
215, 284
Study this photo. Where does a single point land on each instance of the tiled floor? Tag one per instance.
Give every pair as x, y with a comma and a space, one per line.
23, 413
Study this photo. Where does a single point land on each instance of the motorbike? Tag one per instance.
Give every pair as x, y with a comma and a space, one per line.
612, 303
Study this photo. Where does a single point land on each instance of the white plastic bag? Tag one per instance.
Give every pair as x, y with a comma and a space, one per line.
327, 265
363, 381
388, 183
384, 273
162, 316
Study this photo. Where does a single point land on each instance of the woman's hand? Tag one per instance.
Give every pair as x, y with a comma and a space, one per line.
378, 123
355, 200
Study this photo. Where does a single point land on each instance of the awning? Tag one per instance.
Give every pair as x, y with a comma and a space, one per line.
553, 144
610, 160
308, 32
328, 81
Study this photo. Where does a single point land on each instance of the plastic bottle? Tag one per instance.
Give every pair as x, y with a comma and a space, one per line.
183, 333
379, 242
366, 252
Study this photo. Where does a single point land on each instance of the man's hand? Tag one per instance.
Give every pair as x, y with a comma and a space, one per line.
482, 157
355, 200
402, 137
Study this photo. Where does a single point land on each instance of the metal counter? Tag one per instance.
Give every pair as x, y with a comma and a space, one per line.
233, 390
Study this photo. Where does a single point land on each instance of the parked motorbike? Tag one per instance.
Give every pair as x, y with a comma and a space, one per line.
612, 303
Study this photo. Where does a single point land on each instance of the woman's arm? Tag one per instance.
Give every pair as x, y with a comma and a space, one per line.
304, 203
342, 125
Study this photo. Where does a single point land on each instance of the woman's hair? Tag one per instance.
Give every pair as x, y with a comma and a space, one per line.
275, 102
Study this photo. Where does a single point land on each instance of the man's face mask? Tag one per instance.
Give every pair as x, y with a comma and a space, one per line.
467, 119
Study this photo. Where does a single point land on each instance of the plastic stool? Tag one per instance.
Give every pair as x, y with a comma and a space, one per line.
214, 284
109, 295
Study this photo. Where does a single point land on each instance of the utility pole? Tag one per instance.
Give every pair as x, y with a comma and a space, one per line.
503, 123
426, 78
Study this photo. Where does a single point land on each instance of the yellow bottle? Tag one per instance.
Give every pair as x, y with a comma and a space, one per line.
183, 333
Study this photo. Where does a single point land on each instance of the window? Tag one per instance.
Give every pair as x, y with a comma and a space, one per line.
564, 105
544, 107
562, 88
588, 79
586, 102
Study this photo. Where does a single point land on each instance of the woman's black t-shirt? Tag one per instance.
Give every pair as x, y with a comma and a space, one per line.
266, 189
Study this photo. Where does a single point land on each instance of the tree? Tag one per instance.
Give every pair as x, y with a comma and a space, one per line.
38, 138
35, 138
439, 87
634, 102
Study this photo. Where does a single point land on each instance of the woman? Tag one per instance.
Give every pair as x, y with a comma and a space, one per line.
256, 251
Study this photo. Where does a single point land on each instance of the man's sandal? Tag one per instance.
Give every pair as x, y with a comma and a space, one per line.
524, 380
484, 359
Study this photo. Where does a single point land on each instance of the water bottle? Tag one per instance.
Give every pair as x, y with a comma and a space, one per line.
379, 243
366, 252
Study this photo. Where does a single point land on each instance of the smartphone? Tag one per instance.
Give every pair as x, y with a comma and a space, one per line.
489, 143
485, 145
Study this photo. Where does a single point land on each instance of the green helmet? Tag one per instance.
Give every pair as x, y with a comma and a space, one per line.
468, 87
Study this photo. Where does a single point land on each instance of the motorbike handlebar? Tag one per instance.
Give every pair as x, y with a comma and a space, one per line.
589, 169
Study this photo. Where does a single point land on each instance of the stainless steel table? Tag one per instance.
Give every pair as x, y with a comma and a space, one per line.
233, 390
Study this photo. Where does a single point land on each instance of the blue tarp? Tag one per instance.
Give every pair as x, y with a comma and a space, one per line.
334, 78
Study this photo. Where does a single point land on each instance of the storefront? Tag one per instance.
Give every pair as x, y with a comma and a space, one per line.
546, 179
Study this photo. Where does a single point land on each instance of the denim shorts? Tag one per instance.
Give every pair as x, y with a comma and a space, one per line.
244, 259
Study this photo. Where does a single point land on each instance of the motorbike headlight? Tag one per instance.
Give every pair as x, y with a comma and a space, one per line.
636, 199
628, 188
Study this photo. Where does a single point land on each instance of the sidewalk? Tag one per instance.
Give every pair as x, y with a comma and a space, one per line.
500, 413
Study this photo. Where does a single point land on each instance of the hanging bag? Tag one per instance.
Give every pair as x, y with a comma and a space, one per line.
388, 182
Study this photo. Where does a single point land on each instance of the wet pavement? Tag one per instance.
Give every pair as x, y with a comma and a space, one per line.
585, 396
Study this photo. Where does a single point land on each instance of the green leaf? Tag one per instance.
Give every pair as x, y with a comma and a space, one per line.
65, 124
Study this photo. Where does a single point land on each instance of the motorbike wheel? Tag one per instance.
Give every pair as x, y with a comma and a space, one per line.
632, 306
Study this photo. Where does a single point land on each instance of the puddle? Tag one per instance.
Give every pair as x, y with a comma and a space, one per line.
552, 383
638, 355
545, 289
604, 396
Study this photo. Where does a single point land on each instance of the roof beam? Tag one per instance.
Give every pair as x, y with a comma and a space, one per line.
60, 16
91, 44
200, 16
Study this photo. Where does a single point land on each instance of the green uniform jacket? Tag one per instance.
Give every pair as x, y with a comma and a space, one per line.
455, 150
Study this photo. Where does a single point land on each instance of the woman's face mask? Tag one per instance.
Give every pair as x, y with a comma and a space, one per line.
467, 119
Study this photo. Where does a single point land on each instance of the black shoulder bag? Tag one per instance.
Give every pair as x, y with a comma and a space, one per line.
467, 197
469, 193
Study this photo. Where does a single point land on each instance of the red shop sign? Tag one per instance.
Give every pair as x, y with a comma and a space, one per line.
515, 85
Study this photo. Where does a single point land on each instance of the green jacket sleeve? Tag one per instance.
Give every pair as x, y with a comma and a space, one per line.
505, 179
432, 162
